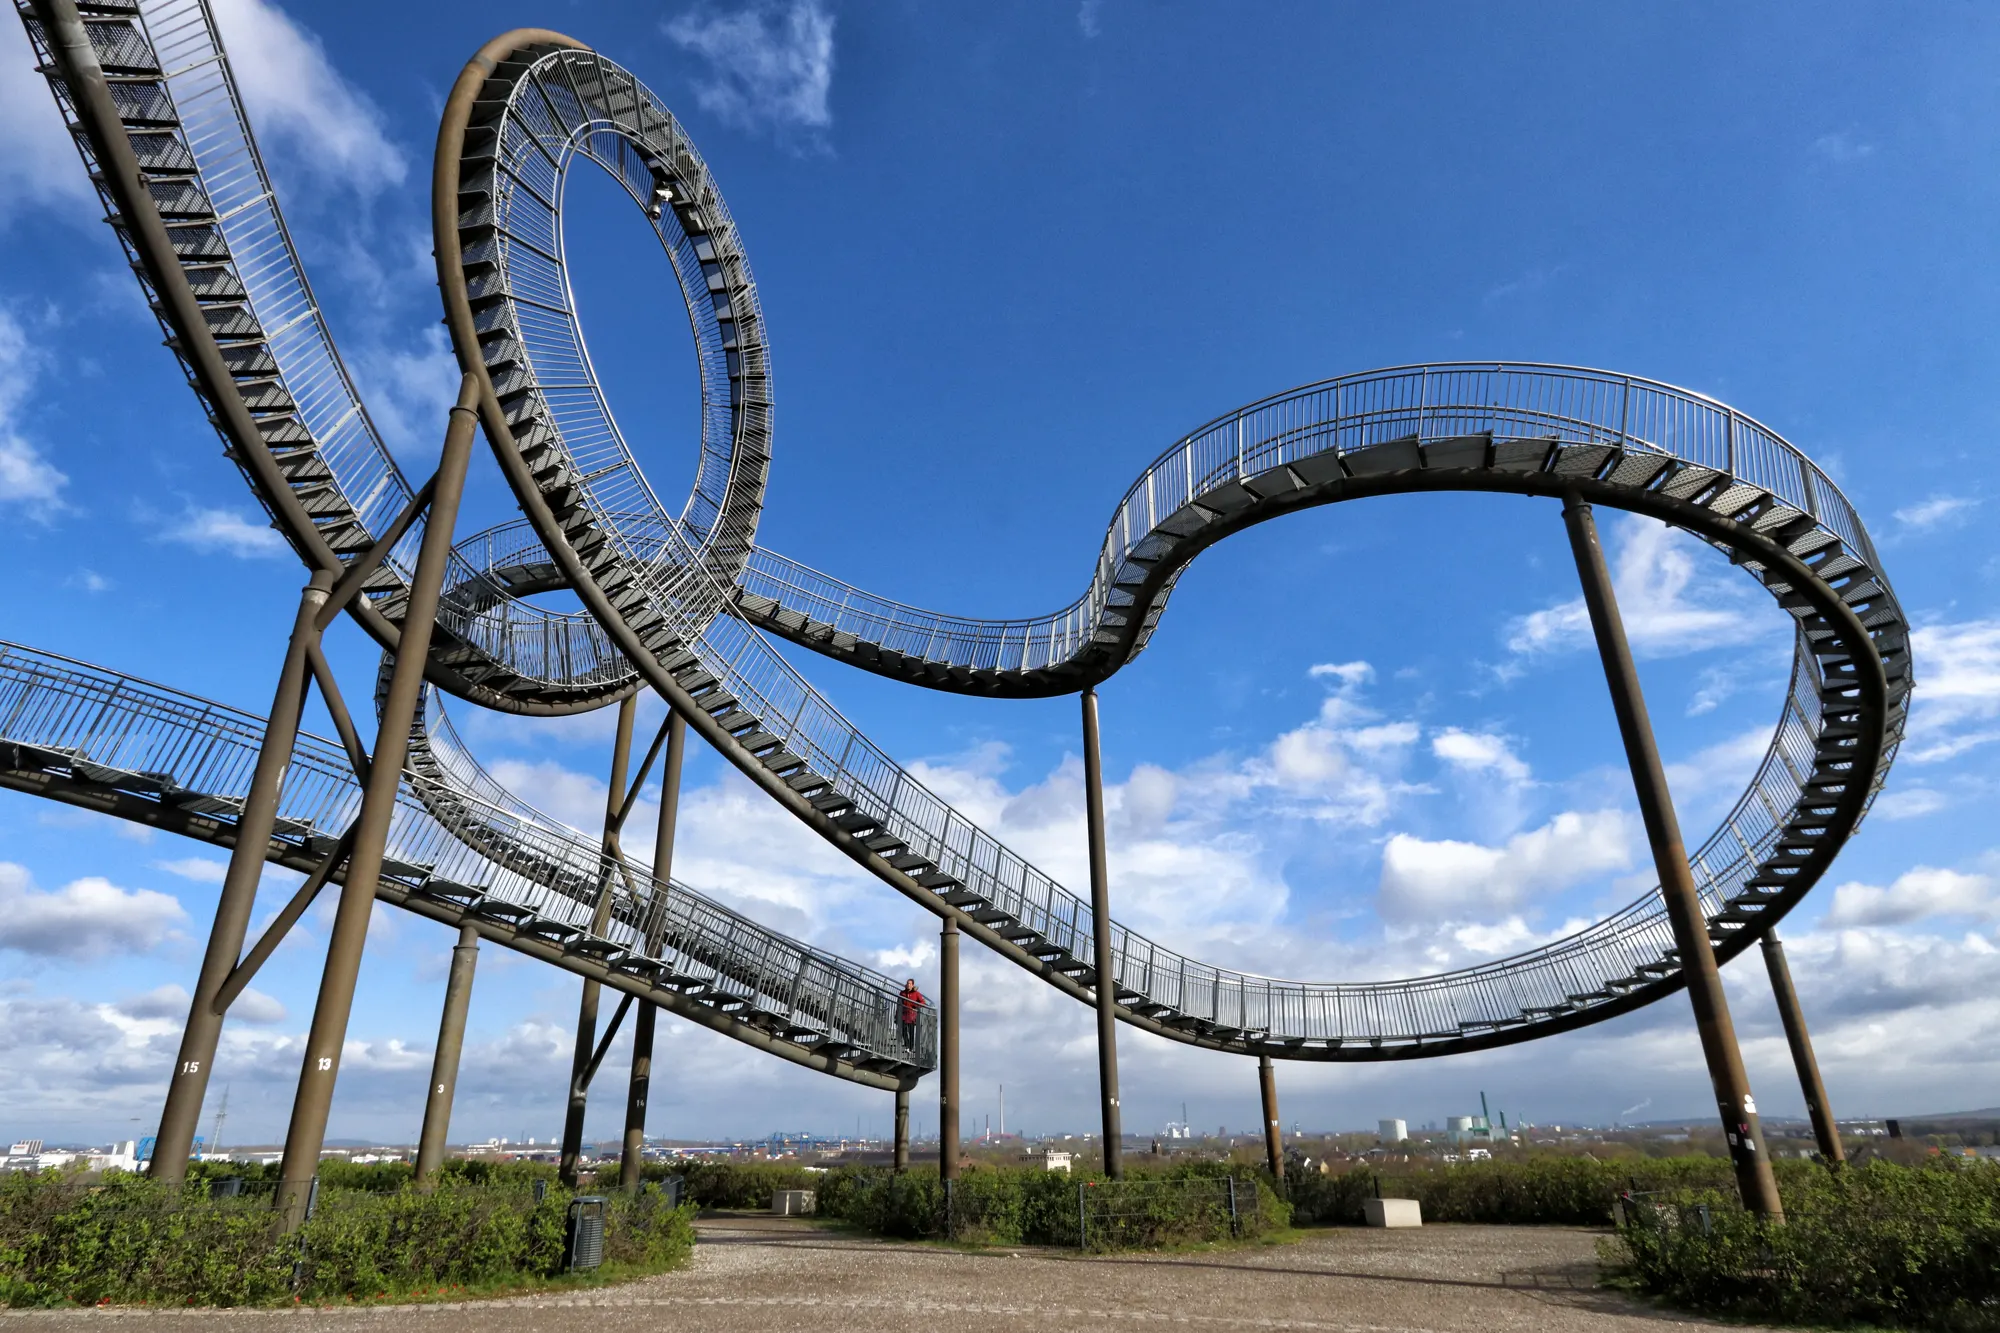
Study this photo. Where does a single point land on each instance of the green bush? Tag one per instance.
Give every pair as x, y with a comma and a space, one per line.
1908, 1247
125, 1239
1571, 1191
1030, 1206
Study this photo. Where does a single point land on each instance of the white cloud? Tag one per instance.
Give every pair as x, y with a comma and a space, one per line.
906, 959
38, 163
1909, 803
1479, 752
1089, 16
1714, 688
254, 1006
1936, 512
27, 479
1725, 766
200, 869
1841, 147
1924, 891
1347, 673
1671, 604
168, 1001
223, 530
771, 63
410, 392
89, 580
1425, 880
86, 918
1958, 685
300, 106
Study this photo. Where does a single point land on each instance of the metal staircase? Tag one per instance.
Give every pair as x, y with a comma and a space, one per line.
1532, 429
683, 598
343, 491
135, 750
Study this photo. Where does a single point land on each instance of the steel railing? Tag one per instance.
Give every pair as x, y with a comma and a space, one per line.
448, 834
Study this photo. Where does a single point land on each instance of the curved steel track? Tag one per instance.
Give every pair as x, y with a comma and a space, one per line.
680, 599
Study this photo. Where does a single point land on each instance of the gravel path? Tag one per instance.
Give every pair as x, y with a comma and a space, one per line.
760, 1273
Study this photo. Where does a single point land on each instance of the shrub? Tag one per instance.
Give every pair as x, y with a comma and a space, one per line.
1572, 1191
125, 1238
1881, 1244
1026, 1205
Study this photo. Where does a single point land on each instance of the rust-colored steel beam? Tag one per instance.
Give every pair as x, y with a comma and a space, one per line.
306, 1133
948, 1049
1274, 1137
1740, 1124
444, 1063
196, 1060
581, 1064
1106, 985
640, 1087
1794, 1019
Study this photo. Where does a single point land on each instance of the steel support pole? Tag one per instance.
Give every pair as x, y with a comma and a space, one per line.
1274, 1137
1740, 1124
1803, 1058
642, 1029
181, 1115
1100, 922
321, 1066
902, 1129
586, 1014
948, 1050
444, 1064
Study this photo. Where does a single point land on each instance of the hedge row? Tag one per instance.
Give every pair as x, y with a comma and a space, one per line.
1031, 1206
127, 1240
1881, 1244
1572, 1191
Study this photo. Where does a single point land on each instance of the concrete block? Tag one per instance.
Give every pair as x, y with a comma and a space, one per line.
1392, 1212
792, 1203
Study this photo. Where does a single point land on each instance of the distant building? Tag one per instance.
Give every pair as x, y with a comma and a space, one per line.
121, 1157
1392, 1131
1055, 1161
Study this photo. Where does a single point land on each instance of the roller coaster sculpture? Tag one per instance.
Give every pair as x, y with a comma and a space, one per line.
682, 601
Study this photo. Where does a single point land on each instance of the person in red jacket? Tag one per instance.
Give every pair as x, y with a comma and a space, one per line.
908, 1004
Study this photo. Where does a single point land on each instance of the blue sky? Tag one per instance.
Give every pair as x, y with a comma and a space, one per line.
1006, 257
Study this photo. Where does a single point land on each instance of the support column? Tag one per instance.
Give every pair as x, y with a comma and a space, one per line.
948, 1050
178, 1119
1740, 1124
1100, 921
642, 1030
307, 1132
1274, 1137
444, 1064
902, 1130
1803, 1058
586, 1014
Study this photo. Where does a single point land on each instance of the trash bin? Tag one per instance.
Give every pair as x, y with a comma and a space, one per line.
583, 1238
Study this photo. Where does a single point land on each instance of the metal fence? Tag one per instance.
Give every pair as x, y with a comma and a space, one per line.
1147, 1214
